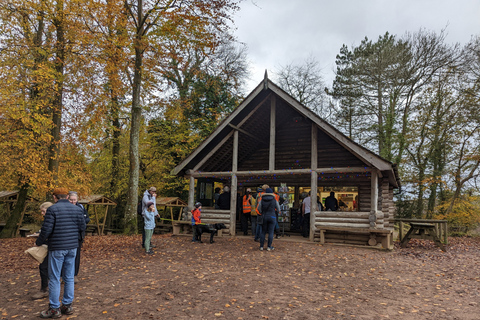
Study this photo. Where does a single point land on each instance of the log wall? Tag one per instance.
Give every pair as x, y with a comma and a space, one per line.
212, 216
346, 219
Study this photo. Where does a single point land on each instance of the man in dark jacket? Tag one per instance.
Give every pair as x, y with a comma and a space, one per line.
224, 199
63, 226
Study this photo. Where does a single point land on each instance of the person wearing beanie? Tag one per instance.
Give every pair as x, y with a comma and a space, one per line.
149, 195
196, 220
149, 218
267, 206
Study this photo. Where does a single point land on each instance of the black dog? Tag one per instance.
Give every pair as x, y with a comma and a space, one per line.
209, 228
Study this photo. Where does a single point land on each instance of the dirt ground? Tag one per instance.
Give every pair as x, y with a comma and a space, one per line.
232, 279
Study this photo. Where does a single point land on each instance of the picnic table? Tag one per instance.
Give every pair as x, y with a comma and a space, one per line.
420, 230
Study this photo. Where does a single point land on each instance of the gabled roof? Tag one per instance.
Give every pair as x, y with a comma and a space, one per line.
249, 118
12, 196
96, 199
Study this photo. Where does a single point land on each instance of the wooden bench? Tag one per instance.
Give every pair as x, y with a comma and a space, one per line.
24, 231
441, 227
180, 227
422, 231
386, 234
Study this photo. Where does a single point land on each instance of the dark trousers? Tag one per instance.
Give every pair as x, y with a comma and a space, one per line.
244, 218
43, 268
77, 258
306, 225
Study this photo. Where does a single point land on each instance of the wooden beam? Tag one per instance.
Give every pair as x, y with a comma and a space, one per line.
314, 180
222, 126
374, 191
253, 111
271, 157
248, 134
212, 152
233, 204
191, 193
235, 152
219, 174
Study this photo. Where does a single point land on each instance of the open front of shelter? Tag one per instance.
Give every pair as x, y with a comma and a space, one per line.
270, 138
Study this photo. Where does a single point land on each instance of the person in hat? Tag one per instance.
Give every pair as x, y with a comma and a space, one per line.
149, 217
62, 227
196, 220
149, 195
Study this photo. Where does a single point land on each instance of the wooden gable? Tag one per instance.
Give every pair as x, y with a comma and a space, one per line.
292, 145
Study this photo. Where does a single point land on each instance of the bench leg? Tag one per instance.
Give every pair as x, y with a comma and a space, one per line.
322, 236
406, 238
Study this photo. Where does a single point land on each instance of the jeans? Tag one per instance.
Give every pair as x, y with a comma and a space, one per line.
254, 227
268, 227
58, 260
258, 234
148, 237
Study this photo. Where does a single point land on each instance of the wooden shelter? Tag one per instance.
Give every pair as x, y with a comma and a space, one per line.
171, 202
94, 201
271, 138
10, 198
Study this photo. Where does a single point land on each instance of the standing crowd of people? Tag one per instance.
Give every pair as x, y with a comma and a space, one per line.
65, 221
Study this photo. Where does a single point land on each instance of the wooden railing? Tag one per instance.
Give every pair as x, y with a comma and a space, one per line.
441, 227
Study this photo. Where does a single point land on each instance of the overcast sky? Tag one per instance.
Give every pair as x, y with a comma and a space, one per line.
279, 32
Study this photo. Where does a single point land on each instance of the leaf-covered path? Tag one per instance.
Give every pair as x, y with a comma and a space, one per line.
231, 279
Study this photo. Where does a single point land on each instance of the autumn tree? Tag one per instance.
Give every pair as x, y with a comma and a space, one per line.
25, 118
149, 23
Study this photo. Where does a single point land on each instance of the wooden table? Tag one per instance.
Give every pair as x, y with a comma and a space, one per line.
422, 231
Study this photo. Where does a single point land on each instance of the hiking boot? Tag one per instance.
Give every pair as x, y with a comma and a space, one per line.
51, 313
66, 309
43, 293
149, 252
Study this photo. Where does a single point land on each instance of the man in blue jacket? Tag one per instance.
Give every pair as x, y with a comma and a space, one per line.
63, 226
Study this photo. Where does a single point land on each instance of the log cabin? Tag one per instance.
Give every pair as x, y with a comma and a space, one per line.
271, 138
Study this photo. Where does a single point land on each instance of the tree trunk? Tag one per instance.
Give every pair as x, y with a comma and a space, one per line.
130, 226
11, 226
57, 104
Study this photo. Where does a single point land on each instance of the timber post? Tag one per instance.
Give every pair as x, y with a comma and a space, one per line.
313, 182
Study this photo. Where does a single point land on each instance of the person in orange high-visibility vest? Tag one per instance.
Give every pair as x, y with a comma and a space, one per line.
246, 211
